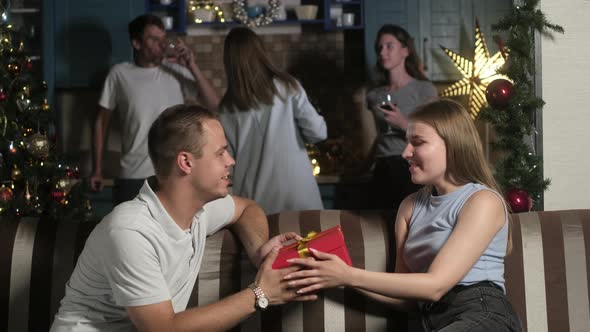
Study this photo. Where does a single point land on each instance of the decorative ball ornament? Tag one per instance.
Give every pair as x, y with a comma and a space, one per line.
73, 173
16, 173
3, 95
38, 145
241, 14
6, 194
66, 184
499, 92
519, 200
23, 103
57, 194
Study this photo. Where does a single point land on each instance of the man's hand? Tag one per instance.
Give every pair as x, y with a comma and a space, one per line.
273, 282
184, 55
276, 241
96, 182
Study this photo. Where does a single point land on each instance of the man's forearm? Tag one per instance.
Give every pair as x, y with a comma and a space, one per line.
252, 229
99, 138
207, 94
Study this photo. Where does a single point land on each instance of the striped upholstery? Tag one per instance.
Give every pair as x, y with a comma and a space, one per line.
546, 273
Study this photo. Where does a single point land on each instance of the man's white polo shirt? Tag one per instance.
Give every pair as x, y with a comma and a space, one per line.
137, 255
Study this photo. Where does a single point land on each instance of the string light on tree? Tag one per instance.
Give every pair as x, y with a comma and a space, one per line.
477, 74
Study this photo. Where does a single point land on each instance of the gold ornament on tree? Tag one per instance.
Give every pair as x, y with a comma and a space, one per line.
16, 173
38, 145
477, 74
27, 193
66, 184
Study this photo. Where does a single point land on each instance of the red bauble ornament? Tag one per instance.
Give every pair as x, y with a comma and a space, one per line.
2, 96
519, 200
6, 194
57, 194
499, 92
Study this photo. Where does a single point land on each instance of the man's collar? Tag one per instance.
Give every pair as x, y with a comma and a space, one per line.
157, 210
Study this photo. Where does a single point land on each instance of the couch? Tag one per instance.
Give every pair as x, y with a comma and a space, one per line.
546, 272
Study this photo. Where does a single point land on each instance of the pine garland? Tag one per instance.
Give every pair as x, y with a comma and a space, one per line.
520, 167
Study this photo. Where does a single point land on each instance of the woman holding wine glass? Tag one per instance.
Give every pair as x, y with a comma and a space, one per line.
402, 87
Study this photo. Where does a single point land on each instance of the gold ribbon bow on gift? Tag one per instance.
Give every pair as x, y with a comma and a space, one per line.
302, 246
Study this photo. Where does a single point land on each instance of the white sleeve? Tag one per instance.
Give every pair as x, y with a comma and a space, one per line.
311, 125
218, 213
108, 96
133, 270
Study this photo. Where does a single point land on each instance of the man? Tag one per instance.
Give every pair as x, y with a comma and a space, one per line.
140, 91
139, 265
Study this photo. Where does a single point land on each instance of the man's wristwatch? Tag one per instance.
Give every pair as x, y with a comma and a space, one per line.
261, 300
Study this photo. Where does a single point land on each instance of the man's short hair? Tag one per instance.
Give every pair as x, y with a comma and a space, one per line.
178, 128
137, 26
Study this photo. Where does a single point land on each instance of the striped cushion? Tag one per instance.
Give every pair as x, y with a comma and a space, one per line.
546, 273
37, 257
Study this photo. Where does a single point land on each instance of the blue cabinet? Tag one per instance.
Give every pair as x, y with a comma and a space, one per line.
84, 38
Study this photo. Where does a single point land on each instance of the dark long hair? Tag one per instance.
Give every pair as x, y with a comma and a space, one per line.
250, 72
413, 63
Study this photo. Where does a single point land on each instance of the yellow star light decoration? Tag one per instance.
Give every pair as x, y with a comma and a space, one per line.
477, 74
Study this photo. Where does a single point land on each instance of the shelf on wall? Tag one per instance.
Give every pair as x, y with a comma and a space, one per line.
274, 23
24, 10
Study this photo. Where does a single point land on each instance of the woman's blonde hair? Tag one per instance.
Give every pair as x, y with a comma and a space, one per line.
466, 161
250, 72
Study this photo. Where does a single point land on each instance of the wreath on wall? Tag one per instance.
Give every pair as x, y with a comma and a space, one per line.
241, 13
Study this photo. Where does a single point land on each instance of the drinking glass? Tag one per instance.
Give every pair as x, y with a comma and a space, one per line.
384, 103
170, 49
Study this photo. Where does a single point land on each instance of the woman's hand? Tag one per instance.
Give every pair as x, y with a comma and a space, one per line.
393, 115
322, 271
273, 282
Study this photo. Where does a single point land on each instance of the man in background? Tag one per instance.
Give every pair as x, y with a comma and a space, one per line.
139, 91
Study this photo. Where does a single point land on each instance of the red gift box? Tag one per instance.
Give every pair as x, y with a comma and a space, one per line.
330, 241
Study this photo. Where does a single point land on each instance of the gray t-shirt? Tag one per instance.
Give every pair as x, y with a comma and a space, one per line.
408, 98
434, 218
137, 255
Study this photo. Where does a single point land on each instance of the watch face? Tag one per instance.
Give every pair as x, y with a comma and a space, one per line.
263, 302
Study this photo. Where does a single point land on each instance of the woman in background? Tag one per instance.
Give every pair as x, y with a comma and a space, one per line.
451, 236
402, 79
267, 119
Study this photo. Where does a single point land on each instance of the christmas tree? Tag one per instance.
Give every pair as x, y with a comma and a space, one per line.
513, 106
34, 179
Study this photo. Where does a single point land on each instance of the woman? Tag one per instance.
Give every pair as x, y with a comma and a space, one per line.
267, 120
402, 79
451, 236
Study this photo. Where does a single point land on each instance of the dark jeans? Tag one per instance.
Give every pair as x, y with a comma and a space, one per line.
126, 190
479, 307
391, 183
